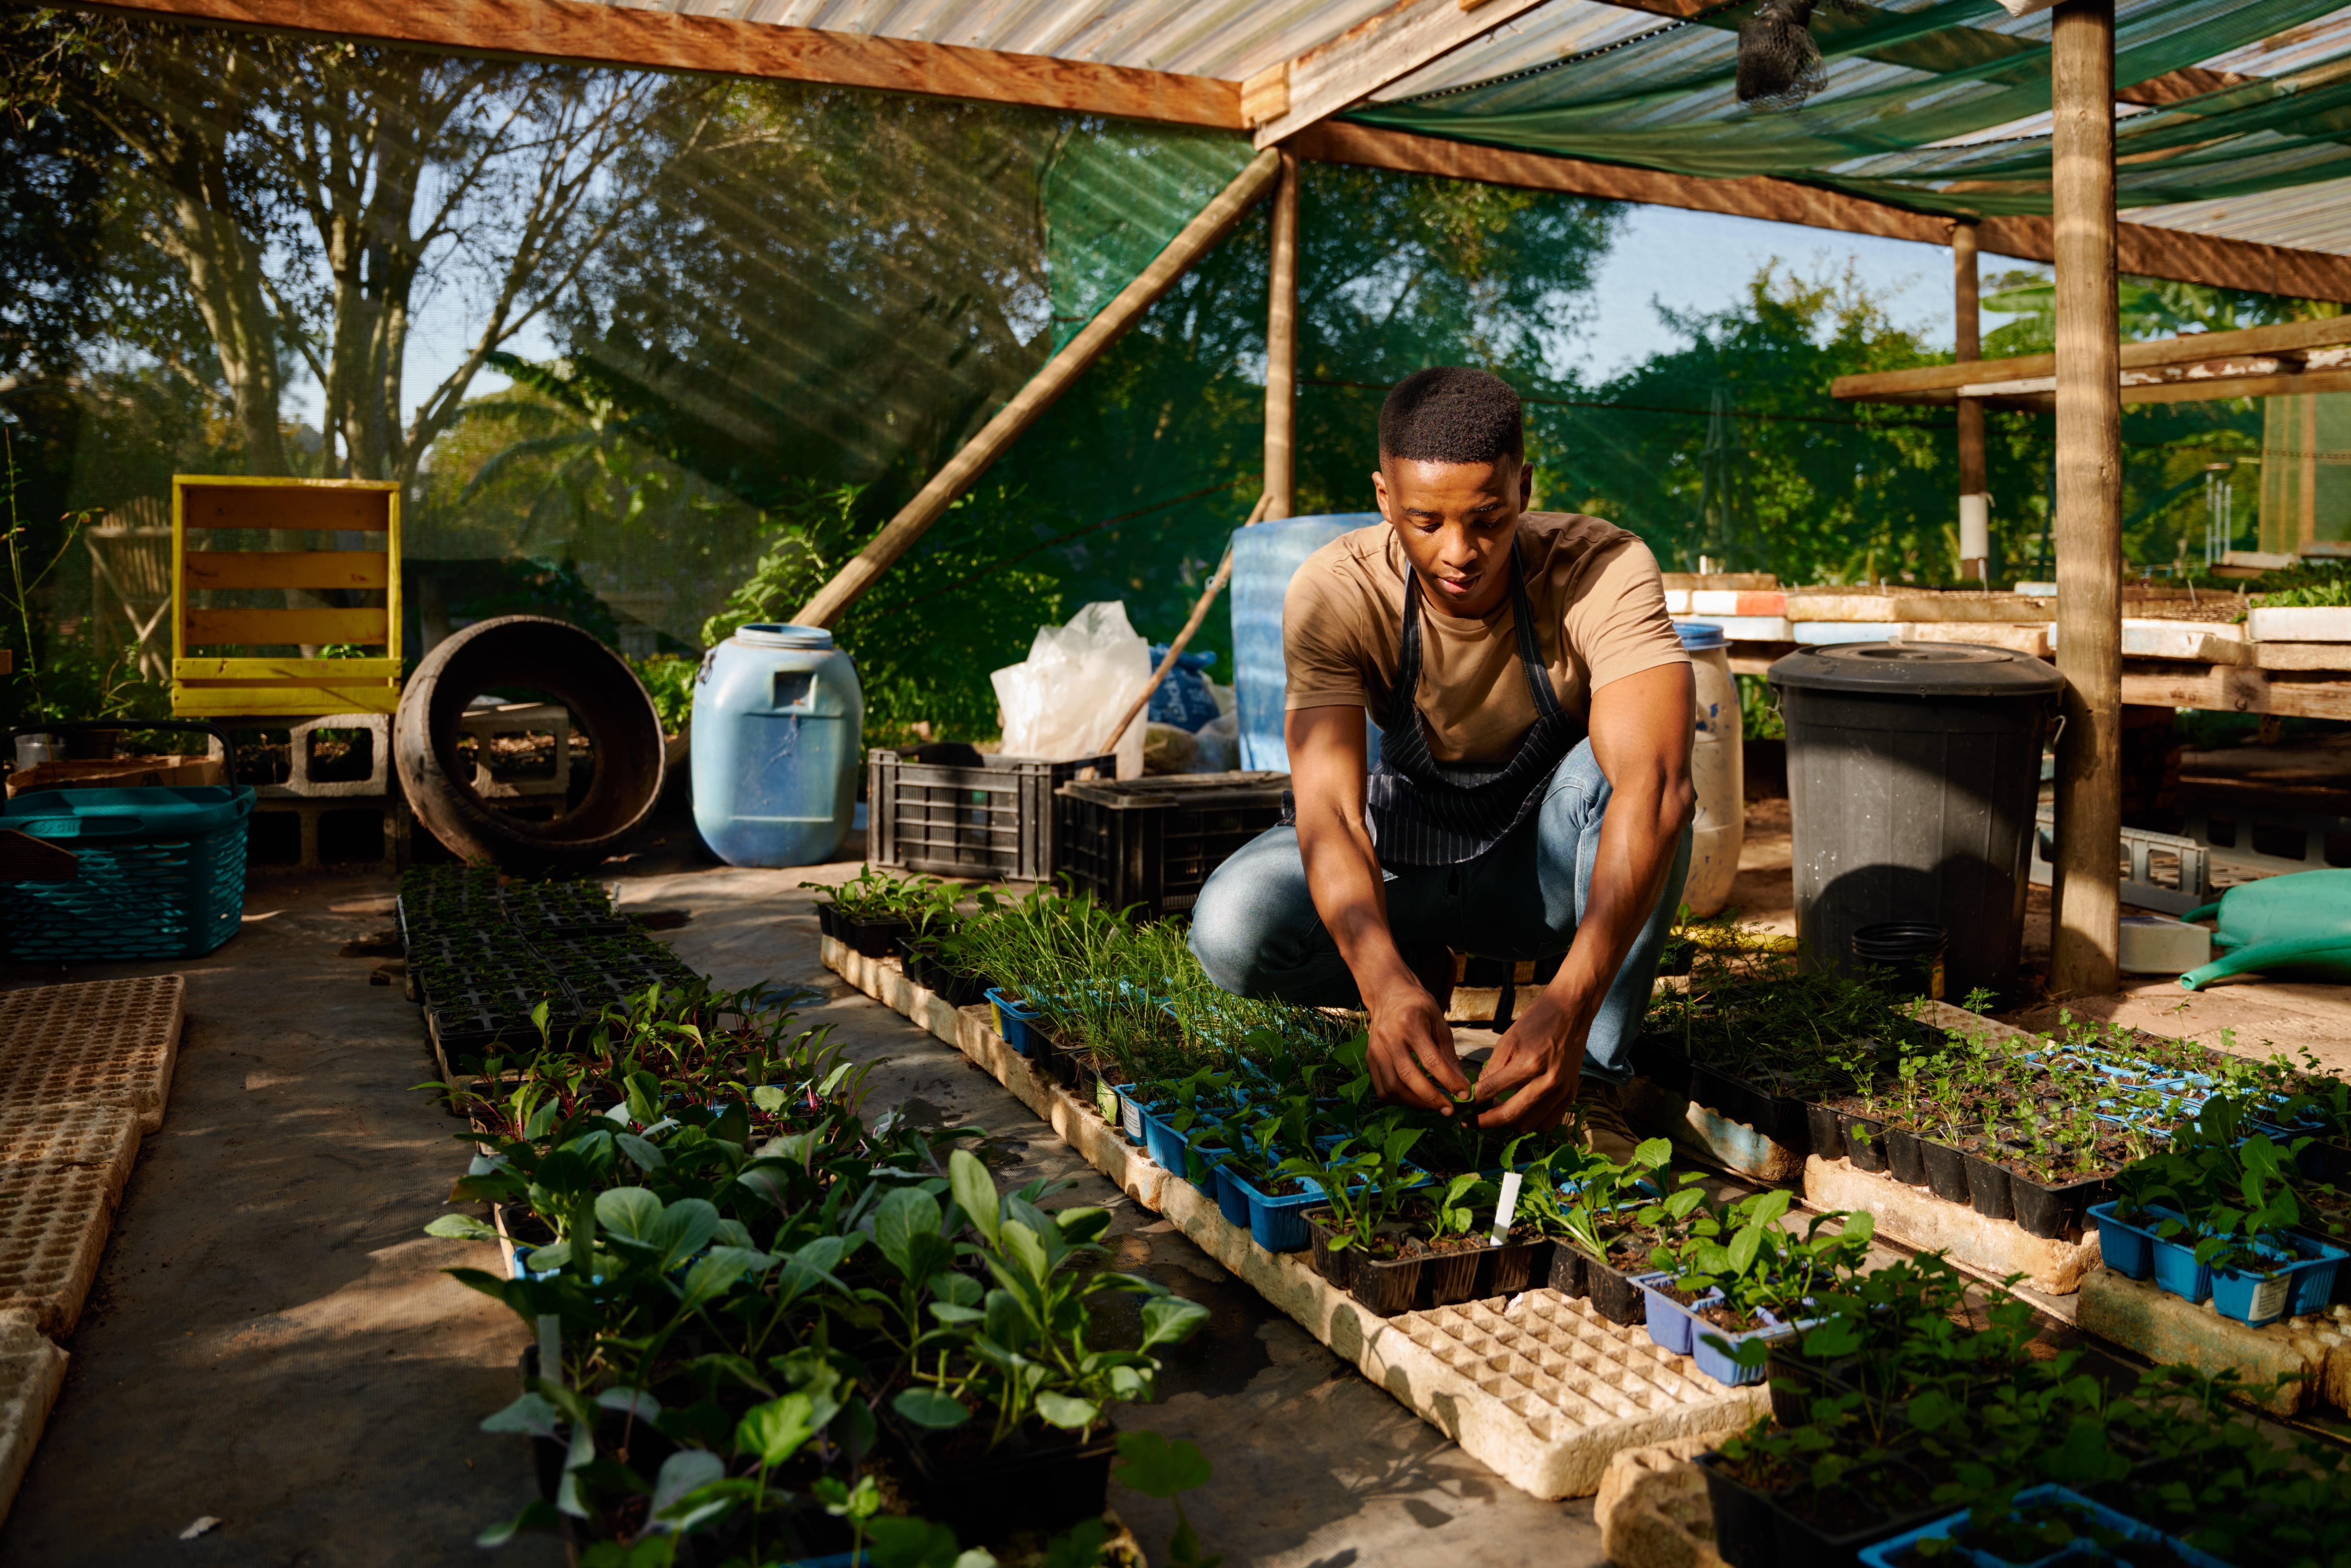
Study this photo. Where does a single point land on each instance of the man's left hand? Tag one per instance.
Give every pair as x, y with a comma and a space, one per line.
1541, 1058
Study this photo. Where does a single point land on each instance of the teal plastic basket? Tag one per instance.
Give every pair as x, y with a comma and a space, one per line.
163, 874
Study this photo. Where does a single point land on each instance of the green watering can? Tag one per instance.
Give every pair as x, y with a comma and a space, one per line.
2296, 927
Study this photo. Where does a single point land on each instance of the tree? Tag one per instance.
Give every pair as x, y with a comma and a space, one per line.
311, 194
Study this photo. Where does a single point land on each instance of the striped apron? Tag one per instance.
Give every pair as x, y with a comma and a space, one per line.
1423, 812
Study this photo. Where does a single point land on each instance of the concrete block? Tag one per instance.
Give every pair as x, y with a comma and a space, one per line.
1735, 1146
1537, 1388
2162, 1327
1917, 1218
1653, 1510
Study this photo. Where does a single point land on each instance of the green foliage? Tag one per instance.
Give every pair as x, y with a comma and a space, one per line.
742, 1260
2325, 583
1152, 1465
1922, 1389
2147, 307
1759, 714
669, 681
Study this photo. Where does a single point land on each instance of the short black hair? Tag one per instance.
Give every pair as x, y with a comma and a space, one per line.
1451, 413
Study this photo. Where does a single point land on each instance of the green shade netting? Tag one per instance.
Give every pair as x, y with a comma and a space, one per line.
1906, 76
1114, 196
775, 310
2306, 471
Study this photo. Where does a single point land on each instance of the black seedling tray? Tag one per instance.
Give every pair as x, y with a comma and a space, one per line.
563, 911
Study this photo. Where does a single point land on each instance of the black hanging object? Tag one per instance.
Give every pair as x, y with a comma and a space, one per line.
1779, 64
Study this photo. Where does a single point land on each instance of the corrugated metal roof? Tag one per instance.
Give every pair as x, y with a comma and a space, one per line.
1229, 38
2308, 217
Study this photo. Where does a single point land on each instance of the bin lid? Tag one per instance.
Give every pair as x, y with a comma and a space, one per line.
776, 634
1917, 669
1698, 636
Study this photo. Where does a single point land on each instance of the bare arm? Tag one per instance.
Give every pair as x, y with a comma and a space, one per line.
1411, 1042
1641, 737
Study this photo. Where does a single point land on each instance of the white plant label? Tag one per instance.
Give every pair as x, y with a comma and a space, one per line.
2269, 1298
1507, 1210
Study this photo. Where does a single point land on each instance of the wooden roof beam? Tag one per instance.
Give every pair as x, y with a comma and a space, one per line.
1285, 99
2145, 250
572, 30
2287, 341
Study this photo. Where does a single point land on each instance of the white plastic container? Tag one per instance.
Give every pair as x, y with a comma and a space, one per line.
2159, 944
1718, 771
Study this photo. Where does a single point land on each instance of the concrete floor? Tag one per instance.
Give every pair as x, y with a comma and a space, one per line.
271, 1342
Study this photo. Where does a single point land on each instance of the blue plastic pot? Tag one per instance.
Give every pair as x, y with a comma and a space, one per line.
1278, 1224
1230, 1201
2315, 1276
2254, 1300
2301, 1282
2125, 1249
1131, 1111
2172, 1262
1669, 1322
1163, 1143
1013, 1019
1714, 1351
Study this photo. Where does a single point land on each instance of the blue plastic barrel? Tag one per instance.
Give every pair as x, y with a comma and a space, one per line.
779, 721
1265, 558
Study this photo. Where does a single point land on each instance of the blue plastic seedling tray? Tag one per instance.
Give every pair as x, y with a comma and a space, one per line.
1893, 1552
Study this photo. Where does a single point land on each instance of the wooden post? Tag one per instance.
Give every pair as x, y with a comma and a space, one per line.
1282, 350
1975, 505
901, 532
2087, 931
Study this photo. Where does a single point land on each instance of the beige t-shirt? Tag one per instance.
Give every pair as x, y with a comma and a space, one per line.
1600, 615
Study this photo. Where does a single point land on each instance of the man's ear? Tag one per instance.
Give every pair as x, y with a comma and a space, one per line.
1380, 491
1526, 483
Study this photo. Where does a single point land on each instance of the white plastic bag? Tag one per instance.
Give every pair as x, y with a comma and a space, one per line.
1059, 703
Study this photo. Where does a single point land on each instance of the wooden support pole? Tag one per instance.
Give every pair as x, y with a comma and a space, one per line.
1975, 505
900, 533
2088, 932
1282, 350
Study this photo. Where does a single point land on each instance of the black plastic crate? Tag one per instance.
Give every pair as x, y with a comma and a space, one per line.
993, 822
1153, 841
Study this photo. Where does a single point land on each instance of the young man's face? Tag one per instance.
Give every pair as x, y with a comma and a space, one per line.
1457, 521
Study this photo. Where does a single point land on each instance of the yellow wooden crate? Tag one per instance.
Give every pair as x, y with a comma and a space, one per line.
213, 685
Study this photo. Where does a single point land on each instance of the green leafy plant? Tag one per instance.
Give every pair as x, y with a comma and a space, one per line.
1156, 1467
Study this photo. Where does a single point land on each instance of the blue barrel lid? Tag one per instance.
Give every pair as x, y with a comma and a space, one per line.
777, 634
1698, 636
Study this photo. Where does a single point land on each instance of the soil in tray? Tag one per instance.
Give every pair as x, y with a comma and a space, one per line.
1722, 1317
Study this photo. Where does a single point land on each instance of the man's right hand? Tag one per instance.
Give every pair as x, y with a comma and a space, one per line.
1411, 1050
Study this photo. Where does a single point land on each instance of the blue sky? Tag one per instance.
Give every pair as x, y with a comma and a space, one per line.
1689, 261
1703, 261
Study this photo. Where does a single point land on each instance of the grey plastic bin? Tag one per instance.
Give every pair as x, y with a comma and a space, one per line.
1913, 768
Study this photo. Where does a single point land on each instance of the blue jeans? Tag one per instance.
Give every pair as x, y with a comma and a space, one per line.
1256, 932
